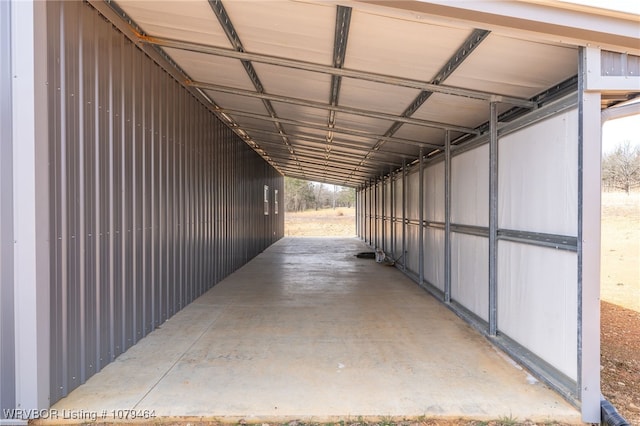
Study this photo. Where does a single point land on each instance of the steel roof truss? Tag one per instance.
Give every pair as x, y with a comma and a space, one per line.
234, 39
326, 69
348, 132
337, 108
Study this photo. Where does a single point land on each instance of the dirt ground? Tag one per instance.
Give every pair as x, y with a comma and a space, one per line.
620, 290
620, 308
340, 222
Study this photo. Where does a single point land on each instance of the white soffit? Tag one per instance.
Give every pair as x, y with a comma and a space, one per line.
376, 96
400, 47
515, 67
422, 134
238, 103
211, 69
365, 124
454, 109
294, 83
281, 28
301, 113
187, 20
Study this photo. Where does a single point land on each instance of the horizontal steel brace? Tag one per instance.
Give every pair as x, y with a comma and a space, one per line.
321, 141
326, 69
320, 166
328, 163
539, 114
308, 173
324, 127
479, 231
560, 242
332, 152
337, 108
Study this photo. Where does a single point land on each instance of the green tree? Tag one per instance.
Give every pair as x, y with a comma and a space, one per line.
298, 194
346, 197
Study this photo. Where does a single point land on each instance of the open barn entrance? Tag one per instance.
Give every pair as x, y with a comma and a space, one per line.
145, 146
314, 209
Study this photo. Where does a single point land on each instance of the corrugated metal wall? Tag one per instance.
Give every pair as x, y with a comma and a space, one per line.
153, 199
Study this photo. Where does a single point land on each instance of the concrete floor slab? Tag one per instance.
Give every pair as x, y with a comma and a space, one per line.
307, 330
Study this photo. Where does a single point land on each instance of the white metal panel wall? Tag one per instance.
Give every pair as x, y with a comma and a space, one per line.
470, 273
469, 187
537, 302
153, 199
387, 215
537, 286
434, 257
538, 177
413, 195
413, 227
413, 249
536, 280
397, 209
434, 192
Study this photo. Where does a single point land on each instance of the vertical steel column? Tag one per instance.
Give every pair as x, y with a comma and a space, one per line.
383, 219
493, 220
31, 248
589, 224
370, 213
375, 212
404, 215
447, 216
392, 215
421, 217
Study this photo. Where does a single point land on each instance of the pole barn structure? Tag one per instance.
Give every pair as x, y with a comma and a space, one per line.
143, 147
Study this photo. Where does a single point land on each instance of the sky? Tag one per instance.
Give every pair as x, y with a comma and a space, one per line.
615, 132
630, 6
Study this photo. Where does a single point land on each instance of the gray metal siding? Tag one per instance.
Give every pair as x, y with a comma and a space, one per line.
7, 347
153, 199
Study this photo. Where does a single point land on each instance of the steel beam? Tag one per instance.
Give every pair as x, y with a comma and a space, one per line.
282, 155
343, 20
319, 167
234, 39
392, 216
454, 62
421, 217
375, 212
589, 225
337, 130
404, 216
318, 140
384, 213
319, 105
344, 155
493, 220
447, 217
327, 69
289, 170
